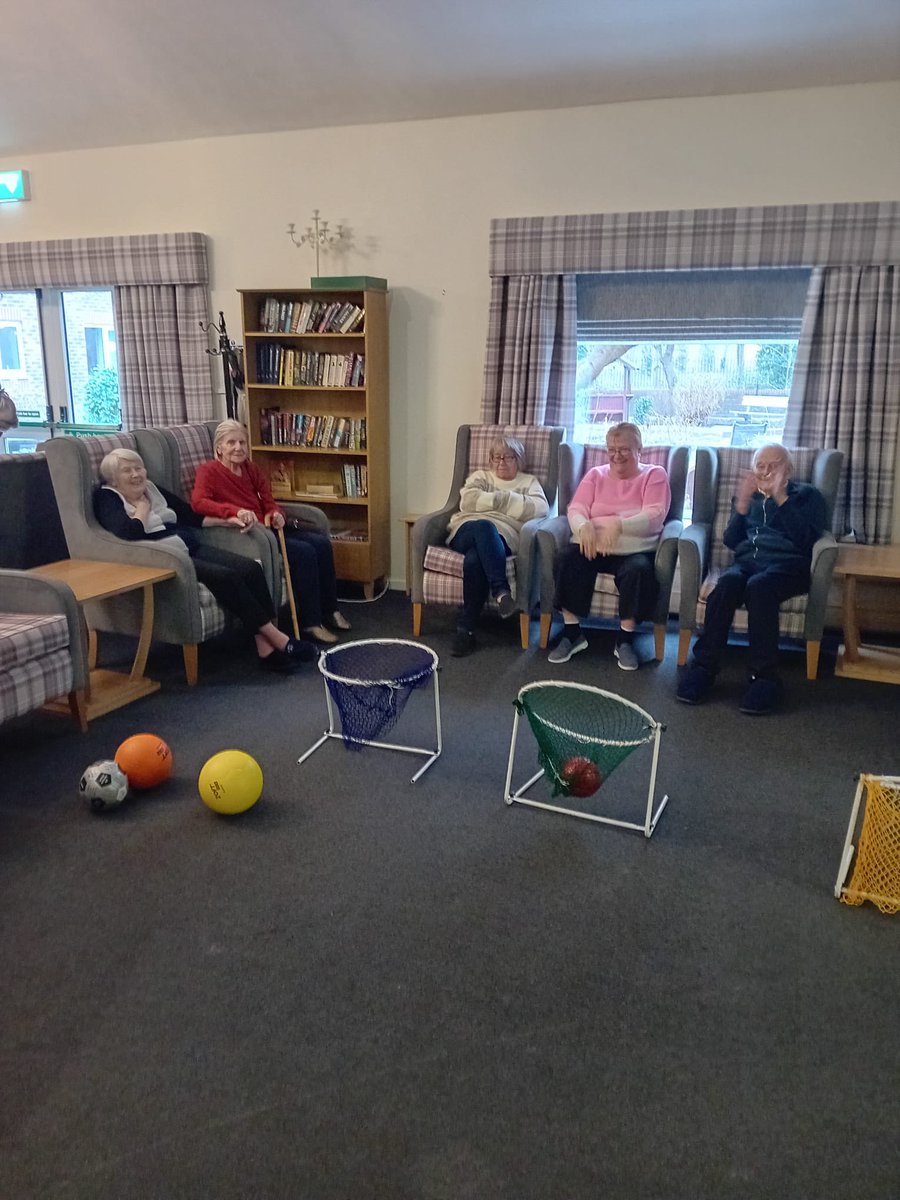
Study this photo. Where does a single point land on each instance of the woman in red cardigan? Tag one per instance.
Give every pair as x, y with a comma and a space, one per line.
231, 486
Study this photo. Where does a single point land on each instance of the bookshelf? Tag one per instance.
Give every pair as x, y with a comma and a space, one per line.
317, 398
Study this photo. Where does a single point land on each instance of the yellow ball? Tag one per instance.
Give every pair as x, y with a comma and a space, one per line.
230, 782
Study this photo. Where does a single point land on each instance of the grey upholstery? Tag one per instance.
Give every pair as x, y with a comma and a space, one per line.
172, 456
702, 555
554, 535
184, 611
442, 584
24, 593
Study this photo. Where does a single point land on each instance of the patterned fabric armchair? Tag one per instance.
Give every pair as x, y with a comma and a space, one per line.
185, 612
173, 455
42, 646
703, 555
553, 535
437, 571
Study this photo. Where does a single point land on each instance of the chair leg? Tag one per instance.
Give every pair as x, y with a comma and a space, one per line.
546, 622
92, 649
190, 663
78, 709
812, 659
659, 642
417, 620
524, 629
684, 644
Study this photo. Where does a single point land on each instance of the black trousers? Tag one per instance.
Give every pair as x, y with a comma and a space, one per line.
762, 589
238, 583
311, 559
635, 577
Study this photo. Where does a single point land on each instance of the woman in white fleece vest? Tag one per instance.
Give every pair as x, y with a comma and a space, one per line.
493, 506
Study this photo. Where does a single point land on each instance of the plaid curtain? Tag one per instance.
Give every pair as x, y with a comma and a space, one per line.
529, 374
846, 389
163, 367
159, 284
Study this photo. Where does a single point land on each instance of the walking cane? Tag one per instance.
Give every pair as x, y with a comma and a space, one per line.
287, 579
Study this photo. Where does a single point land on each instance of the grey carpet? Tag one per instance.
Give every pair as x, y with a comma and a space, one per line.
367, 988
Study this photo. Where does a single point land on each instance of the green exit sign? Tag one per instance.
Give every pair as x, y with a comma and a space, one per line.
13, 186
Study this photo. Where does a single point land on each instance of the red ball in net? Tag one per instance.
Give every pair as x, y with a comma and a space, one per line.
145, 759
581, 776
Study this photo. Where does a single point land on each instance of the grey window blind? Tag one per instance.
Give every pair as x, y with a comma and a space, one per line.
669, 306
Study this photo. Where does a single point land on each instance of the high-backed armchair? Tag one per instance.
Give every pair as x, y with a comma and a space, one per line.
436, 575
703, 555
185, 612
553, 535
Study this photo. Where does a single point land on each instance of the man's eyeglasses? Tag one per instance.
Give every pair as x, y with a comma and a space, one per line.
503, 458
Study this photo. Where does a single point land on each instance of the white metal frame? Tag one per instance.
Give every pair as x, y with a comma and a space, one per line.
849, 846
651, 817
332, 732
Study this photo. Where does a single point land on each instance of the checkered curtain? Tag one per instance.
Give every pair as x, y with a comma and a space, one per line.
159, 284
529, 375
846, 389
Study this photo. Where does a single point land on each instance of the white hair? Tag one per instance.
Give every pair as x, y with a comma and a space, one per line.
112, 462
222, 431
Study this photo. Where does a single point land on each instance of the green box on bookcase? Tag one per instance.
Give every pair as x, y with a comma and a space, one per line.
355, 283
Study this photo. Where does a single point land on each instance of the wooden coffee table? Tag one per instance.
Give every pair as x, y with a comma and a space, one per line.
875, 564
92, 580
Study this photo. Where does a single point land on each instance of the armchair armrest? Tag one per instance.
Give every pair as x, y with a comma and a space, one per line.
26, 593
306, 512
693, 555
824, 556
429, 530
527, 565
552, 536
667, 551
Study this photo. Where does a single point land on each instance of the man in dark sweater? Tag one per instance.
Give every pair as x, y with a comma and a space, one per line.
774, 525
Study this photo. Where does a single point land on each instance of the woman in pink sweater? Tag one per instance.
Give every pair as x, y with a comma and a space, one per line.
616, 517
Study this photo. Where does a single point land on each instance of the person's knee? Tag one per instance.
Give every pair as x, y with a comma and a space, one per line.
761, 590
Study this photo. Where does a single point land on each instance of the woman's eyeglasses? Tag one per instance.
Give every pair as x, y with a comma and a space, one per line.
503, 458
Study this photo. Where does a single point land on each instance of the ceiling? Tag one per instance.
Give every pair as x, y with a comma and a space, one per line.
117, 72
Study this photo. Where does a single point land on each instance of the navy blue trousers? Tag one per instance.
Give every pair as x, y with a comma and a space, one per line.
484, 569
311, 559
762, 589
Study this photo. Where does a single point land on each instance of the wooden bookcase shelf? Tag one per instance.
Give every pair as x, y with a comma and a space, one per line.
287, 416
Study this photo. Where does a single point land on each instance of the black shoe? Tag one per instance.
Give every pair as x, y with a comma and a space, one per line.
300, 651
463, 643
507, 605
696, 684
762, 696
279, 662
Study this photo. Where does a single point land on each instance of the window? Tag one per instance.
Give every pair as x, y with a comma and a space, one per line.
716, 393
694, 357
66, 348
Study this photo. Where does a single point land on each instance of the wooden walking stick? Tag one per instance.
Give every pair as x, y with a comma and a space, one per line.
287, 579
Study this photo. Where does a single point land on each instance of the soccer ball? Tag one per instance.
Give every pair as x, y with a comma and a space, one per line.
103, 785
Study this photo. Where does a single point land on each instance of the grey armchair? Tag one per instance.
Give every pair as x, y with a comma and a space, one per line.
436, 571
703, 555
553, 535
185, 612
43, 650
172, 456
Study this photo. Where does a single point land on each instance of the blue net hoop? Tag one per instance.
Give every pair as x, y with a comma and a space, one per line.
371, 681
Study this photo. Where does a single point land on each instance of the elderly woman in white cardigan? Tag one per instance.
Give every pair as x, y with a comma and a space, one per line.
493, 506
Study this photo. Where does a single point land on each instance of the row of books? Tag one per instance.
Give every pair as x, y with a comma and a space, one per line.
310, 316
277, 428
348, 535
308, 368
356, 479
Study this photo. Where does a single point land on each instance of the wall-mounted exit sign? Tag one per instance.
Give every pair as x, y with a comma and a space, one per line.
14, 186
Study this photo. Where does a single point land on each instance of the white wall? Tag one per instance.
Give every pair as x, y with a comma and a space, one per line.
419, 197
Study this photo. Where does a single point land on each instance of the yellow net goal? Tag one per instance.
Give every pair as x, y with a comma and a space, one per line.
876, 869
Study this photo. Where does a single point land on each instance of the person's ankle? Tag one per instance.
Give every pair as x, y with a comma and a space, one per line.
626, 636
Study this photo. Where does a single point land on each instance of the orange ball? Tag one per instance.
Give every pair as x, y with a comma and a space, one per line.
145, 759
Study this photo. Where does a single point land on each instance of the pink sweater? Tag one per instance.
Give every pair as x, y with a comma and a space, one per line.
640, 503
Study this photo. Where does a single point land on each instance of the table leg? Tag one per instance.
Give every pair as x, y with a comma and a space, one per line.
850, 620
143, 646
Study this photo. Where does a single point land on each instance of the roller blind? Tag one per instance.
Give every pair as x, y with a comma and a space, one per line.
670, 306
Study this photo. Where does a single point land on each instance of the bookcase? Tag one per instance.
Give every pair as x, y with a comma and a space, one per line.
316, 367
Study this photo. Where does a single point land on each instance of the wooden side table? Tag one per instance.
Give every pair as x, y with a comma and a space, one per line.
91, 580
875, 564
